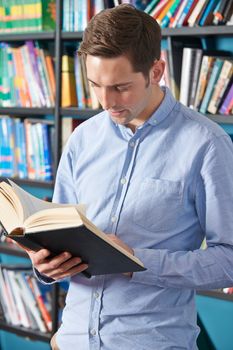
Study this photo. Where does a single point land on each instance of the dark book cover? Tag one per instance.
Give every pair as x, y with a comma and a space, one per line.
101, 257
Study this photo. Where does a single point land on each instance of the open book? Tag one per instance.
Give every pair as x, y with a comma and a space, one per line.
38, 224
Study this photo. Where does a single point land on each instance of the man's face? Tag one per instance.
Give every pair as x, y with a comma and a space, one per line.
126, 95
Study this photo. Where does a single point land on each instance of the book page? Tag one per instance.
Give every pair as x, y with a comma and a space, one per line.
10, 218
31, 204
54, 218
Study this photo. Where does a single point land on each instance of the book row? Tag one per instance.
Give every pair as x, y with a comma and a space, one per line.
206, 81
179, 13
26, 149
23, 301
26, 76
27, 15
168, 13
76, 89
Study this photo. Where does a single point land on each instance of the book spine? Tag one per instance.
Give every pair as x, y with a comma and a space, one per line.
196, 74
205, 72
166, 19
178, 14
48, 168
196, 12
224, 109
184, 13
40, 302
209, 90
220, 86
207, 15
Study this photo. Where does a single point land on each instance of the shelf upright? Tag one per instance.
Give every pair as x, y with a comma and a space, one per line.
58, 67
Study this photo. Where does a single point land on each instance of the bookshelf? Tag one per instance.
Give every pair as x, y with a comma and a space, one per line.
59, 38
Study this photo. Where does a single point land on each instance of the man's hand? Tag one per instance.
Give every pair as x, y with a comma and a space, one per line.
58, 267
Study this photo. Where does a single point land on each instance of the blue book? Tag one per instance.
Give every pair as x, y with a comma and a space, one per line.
2, 165
184, 13
210, 87
20, 145
7, 147
208, 12
47, 153
78, 81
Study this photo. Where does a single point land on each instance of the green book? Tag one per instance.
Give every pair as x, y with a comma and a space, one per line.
48, 14
2, 16
7, 19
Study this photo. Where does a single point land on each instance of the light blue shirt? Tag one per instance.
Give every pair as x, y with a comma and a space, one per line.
161, 190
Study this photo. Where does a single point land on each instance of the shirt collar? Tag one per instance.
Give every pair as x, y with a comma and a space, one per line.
164, 109
162, 112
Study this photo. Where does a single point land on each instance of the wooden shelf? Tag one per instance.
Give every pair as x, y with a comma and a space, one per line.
27, 36
81, 113
221, 119
71, 35
198, 31
23, 111
216, 294
25, 332
183, 31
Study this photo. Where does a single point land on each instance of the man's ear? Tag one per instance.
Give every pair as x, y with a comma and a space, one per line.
157, 71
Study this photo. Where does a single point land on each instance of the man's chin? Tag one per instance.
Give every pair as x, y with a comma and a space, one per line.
120, 117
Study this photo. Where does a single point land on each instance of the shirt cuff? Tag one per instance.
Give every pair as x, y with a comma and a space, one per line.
151, 261
42, 278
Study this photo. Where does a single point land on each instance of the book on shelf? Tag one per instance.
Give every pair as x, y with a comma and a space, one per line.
211, 83
151, 6
227, 12
68, 126
27, 16
186, 13
227, 104
170, 13
25, 148
69, 97
25, 73
33, 284
175, 50
208, 13
193, 18
37, 224
191, 59
220, 86
218, 13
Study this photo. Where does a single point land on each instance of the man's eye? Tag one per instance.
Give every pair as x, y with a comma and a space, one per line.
122, 88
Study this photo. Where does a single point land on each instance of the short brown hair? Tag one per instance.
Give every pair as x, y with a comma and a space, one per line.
123, 30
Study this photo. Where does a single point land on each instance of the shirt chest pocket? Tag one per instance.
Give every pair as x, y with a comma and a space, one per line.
158, 205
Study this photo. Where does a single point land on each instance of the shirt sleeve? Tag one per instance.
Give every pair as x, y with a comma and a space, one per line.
212, 267
63, 193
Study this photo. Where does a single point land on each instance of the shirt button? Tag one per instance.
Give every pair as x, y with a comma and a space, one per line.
132, 144
96, 295
123, 181
114, 218
93, 332
155, 121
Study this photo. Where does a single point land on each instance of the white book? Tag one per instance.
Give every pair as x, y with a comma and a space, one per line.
24, 320
195, 13
185, 74
14, 316
4, 301
30, 301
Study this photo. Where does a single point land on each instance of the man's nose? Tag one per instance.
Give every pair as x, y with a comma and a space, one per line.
108, 99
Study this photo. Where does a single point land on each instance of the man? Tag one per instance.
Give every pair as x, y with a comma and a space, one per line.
158, 177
